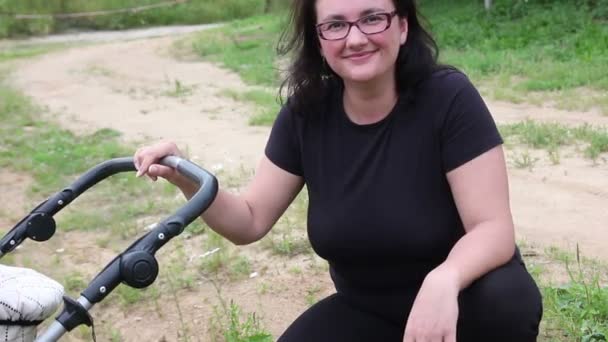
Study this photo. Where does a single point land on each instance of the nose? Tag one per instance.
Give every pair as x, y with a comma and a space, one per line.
355, 37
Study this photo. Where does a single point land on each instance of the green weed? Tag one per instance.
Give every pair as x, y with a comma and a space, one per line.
552, 135
240, 267
229, 319
288, 236
175, 271
579, 308
287, 244
295, 270
524, 160
178, 89
312, 294
266, 102
222, 258
99, 70
127, 295
74, 283
115, 336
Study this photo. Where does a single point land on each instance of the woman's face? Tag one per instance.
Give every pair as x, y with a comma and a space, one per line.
360, 57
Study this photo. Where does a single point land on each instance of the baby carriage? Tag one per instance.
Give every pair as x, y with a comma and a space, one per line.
27, 297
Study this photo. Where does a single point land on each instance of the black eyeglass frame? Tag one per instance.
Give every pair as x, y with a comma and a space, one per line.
389, 16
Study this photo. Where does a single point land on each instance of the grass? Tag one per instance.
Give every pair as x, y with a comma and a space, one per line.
98, 70
230, 324
520, 52
14, 51
115, 336
245, 46
526, 47
266, 102
74, 283
487, 48
288, 243
178, 89
55, 157
174, 271
222, 259
553, 135
51, 154
573, 311
312, 295
191, 12
288, 236
236, 328
524, 160
240, 267
578, 309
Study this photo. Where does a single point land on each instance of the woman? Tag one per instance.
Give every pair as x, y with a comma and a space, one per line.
406, 178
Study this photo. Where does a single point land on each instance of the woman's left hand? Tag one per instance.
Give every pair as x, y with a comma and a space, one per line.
434, 314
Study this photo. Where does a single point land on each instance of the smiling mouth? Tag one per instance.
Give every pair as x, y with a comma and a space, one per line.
360, 55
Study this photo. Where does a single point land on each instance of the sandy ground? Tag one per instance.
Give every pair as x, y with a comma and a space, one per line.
126, 86
121, 86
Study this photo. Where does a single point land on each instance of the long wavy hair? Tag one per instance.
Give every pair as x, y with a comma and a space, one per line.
309, 79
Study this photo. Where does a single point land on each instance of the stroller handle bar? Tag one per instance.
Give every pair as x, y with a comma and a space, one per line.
39, 225
136, 266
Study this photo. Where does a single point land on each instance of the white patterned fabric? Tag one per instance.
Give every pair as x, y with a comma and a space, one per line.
26, 298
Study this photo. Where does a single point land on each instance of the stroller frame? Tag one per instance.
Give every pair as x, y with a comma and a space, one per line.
136, 266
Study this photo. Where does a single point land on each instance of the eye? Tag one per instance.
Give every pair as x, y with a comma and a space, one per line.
334, 26
372, 19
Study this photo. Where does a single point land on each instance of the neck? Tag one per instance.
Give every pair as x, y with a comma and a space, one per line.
369, 102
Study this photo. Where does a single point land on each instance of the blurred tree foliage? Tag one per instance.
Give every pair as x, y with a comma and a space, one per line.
205, 11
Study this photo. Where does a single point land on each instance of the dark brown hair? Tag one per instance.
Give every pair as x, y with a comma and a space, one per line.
309, 80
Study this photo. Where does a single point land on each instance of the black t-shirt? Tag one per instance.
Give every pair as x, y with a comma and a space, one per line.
381, 210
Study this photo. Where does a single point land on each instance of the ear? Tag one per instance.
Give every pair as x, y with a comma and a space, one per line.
403, 27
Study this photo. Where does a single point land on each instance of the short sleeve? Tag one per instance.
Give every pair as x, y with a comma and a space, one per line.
283, 146
468, 129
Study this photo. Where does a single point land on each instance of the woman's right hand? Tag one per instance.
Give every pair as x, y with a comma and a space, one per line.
146, 162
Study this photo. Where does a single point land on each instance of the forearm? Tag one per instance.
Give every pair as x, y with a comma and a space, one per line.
242, 218
487, 246
229, 215
248, 216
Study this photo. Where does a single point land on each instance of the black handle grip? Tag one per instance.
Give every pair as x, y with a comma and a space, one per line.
201, 200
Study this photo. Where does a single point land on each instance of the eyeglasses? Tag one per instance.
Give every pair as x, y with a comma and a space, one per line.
369, 24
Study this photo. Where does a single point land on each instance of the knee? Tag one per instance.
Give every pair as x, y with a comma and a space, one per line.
504, 300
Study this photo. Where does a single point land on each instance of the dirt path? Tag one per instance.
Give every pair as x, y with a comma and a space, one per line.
127, 86
136, 88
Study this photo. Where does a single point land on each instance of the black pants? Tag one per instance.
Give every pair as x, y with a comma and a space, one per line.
503, 306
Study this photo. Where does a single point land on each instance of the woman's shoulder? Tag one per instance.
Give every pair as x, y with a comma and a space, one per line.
447, 80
